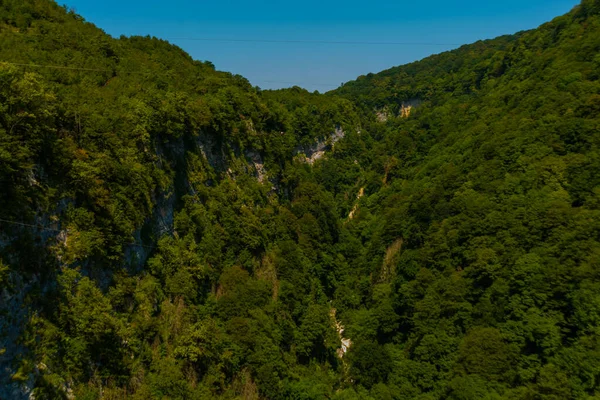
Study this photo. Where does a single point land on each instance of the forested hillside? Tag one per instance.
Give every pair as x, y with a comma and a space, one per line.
169, 231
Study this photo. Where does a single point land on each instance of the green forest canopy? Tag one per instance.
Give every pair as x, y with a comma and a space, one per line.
458, 246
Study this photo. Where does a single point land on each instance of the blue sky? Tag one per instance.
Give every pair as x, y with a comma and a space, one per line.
315, 66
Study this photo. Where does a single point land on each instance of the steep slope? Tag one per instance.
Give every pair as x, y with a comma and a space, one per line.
130, 197
162, 235
479, 230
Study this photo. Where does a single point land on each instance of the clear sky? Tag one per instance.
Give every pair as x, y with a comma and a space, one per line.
431, 26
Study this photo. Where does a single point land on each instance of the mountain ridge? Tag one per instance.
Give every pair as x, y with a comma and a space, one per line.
161, 238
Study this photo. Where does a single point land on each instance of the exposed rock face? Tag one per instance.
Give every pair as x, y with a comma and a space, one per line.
345, 343
212, 151
259, 166
405, 111
49, 234
46, 231
407, 106
316, 151
382, 115
360, 194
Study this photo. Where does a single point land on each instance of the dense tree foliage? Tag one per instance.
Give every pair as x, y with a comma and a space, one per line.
162, 236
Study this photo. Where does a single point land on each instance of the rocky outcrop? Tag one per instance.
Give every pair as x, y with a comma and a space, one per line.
45, 231
316, 151
360, 194
383, 114
49, 236
213, 151
407, 106
259, 166
345, 343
